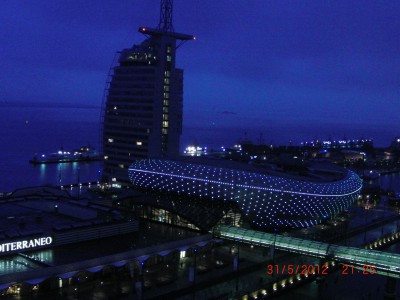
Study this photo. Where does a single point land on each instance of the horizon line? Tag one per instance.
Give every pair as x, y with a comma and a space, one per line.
46, 104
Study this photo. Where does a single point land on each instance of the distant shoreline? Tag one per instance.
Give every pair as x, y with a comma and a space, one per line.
47, 105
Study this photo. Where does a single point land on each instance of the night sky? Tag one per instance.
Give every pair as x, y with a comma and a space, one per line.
329, 68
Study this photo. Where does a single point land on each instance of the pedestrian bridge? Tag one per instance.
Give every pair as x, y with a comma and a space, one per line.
387, 264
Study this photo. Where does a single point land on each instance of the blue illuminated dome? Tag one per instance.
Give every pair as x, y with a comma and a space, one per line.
266, 198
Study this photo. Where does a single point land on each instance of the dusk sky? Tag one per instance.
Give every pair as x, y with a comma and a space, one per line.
315, 64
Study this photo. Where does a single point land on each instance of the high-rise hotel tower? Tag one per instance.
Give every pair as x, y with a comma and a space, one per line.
142, 116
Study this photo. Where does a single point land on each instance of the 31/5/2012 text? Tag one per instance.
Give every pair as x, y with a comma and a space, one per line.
297, 269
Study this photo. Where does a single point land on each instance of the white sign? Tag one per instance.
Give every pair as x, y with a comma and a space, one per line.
25, 244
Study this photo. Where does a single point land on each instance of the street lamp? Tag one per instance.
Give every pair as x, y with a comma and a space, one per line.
79, 185
273, 252
194, 271
236, 265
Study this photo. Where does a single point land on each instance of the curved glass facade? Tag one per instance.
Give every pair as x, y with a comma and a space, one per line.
267, 201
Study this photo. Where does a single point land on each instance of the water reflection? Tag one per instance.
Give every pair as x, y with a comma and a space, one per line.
63, 173
42, 171
59, 168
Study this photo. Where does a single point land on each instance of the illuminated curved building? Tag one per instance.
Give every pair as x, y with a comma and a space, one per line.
266, 198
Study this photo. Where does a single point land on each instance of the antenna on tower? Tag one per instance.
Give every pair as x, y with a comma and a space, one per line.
165, 23
165, 27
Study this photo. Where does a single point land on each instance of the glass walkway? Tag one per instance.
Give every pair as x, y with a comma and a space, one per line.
387, 264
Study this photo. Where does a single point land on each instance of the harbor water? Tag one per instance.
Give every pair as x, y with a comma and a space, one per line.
26, 131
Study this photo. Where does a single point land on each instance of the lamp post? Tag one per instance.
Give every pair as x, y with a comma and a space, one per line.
139, 281
79, 185
273, 250
192, 274
365, 224
236, 265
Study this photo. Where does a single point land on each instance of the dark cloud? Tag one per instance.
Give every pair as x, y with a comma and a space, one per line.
225, 112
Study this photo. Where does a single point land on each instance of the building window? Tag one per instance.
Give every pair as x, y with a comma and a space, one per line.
165, 124
139, 143
111, 140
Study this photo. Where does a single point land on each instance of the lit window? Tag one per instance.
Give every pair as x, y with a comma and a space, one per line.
169, 58
114, 179
138, 143
165, 123
111, 140
105, 157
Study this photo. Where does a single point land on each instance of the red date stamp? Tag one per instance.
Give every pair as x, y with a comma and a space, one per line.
364, 270
297, 269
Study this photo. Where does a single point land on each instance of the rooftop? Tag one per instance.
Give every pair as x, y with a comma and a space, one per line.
296, 169
33, 211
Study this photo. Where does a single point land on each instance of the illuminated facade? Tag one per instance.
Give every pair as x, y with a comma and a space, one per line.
266, 200
142, 116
